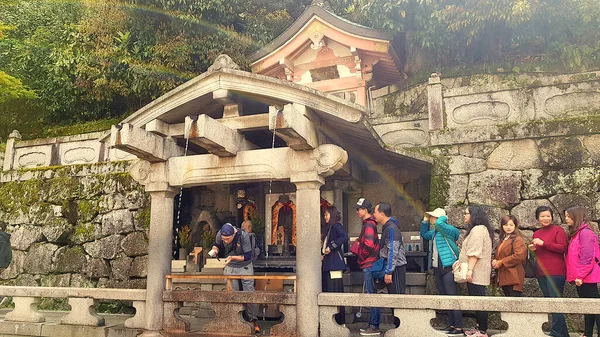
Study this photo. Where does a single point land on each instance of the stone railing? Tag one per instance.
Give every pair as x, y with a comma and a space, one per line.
79, 149
227, 306
524, 315
459, 107
81, 300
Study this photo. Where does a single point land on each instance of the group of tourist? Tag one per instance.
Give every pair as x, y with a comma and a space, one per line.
560, 257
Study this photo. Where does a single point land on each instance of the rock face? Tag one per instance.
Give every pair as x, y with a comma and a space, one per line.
516, 155
39, 258
106, 248
96, 268
135, 244
139, 267
120, 267
22, 237
495, 188
69, 260
117, 222
73, 225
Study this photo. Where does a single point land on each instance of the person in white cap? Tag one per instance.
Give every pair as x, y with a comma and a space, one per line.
445, 253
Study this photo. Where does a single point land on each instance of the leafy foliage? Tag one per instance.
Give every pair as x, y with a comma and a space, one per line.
447, 33
92, 60
73, 61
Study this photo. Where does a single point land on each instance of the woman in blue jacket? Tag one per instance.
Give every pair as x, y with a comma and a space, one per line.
333, 256
445, 253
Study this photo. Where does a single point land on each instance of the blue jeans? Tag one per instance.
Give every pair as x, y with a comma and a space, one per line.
553, 286
370, 288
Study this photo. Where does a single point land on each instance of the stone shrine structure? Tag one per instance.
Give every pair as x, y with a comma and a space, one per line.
324, 114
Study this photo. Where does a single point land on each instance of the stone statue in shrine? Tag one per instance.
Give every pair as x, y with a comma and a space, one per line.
283, 215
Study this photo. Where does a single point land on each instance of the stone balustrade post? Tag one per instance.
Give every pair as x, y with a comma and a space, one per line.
82, 313
159, 254
435, 103
308, 256
523, 324
137, 321
26, 310
288, 326
9, 154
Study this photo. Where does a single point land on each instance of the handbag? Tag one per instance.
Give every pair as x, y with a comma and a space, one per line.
378, 269
459, 269
530, 265
355, 247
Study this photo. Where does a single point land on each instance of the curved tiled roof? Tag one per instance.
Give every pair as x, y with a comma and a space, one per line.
327, 16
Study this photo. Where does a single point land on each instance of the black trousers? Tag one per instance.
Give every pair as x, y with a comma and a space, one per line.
444, 279
334, 286
510, 292
480, 316
589, 290
398, 285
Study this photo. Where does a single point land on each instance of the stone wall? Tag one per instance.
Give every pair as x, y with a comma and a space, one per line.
79, 226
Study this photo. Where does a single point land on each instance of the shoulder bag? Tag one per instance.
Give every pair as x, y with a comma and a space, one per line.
459, 269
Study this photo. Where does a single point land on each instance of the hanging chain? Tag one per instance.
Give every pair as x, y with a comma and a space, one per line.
187, 142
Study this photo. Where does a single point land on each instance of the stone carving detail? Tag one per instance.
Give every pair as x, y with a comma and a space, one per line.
406, 137
140, 172
223, 61
495, 111
32, 159
574, 103
330, 158
84, 154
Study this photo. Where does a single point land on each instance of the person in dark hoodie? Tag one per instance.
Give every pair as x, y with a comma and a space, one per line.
333, 265
368, 253
5, 250
391, 249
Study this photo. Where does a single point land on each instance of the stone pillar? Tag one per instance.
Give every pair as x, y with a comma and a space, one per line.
435, 102
9, 154
308, 256
159, 254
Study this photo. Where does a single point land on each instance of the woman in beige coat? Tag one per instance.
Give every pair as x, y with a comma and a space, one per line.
477, 252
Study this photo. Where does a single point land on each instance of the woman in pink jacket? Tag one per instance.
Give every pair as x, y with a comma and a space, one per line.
582, 267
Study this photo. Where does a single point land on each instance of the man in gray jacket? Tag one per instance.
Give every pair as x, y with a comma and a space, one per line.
391, 249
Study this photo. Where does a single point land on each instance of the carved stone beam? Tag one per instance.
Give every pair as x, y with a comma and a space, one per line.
143, 144
231, 106
292, 125
255, 165
161, 128
210, 134
241, 123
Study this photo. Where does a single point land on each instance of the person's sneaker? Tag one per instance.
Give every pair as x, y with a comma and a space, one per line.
364, 327
370, 331
480, 334
455, 332
471, 332
447, 329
